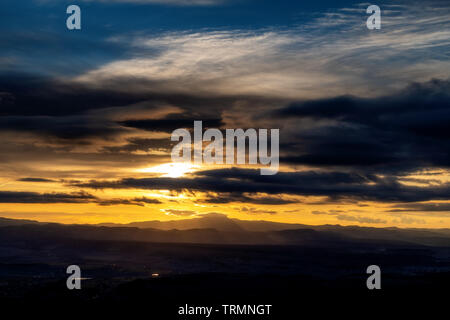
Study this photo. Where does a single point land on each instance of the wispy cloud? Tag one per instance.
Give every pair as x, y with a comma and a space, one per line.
181, 213
334, 53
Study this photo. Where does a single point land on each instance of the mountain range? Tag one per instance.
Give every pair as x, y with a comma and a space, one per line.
217, 228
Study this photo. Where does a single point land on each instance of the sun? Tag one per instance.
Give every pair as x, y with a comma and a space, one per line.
171, 170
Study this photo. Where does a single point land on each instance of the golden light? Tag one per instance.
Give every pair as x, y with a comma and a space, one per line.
171, 170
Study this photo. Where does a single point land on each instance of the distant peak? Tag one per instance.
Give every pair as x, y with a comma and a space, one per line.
215, 215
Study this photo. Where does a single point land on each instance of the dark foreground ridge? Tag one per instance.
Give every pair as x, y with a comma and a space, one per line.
320, 270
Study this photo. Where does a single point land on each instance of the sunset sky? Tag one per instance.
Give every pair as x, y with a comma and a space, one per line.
86, 115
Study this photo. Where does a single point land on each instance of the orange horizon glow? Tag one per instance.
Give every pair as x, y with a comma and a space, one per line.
306, 210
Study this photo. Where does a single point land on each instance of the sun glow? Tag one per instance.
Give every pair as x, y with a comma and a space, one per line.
171, 170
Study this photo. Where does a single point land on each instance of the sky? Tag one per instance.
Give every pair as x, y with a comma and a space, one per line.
86, 115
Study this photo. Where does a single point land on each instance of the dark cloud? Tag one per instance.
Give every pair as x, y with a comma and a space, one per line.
136, 202
31, 95
169, 125
238, 197
28, 95
147, 200
70, 110
139, 144
335, 185
74, 197
34, 197
36, 180
397, 133
69, 127
427, 207
351, 139
44, 106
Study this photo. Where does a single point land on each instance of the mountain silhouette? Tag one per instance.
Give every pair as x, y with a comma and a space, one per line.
216, 221
219, 229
